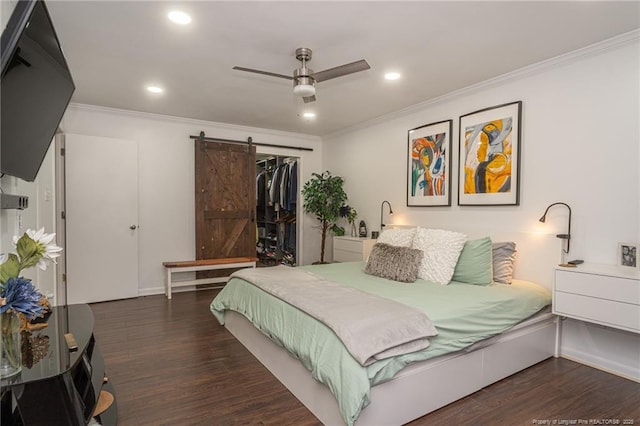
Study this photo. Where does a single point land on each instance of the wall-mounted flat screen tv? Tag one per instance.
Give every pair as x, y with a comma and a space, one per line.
36, 89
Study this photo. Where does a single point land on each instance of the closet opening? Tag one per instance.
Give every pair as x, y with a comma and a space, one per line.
277, 205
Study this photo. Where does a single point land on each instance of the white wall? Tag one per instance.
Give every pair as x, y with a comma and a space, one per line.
40, 213
580, 145
166, 178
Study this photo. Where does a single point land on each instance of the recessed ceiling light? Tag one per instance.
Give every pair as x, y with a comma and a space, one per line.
179, 17
155, 89
309, 114
392, 76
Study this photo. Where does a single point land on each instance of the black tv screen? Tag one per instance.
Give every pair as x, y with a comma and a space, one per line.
36, 89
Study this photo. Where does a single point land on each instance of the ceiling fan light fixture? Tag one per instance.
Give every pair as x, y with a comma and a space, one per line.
304, 86
304, 79
304, 90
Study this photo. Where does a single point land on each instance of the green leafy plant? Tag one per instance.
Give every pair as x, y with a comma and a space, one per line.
323, 196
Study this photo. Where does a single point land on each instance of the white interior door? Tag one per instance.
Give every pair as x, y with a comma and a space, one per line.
101, 218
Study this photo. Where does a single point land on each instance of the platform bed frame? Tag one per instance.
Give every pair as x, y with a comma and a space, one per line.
416, 390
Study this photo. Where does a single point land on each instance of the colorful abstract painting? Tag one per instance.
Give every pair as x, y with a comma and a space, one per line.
489, 156
429, 164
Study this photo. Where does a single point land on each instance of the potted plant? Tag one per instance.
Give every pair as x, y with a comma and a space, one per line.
351, 215
324, 196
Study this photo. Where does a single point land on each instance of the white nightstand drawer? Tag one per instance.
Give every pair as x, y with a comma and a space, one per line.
606, 312
352, 245
600, 286
351, 249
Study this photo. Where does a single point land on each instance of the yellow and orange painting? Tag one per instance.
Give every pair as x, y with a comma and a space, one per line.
489, 151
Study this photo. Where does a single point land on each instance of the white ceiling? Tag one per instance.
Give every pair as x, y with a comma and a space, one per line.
115, 48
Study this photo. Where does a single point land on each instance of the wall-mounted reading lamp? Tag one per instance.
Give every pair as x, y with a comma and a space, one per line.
381, 213
566, 236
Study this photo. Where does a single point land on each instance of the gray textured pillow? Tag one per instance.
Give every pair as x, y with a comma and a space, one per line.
394, 263
504, 254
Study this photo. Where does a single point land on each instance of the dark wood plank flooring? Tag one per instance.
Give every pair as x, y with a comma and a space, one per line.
171, 363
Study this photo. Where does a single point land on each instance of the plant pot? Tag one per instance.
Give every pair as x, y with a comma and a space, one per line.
10, 348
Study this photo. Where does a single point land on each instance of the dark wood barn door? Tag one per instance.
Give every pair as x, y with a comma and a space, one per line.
225, 200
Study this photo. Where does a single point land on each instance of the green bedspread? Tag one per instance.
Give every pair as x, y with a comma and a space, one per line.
462, 313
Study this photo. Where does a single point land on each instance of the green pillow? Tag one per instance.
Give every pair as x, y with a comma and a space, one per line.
475, 264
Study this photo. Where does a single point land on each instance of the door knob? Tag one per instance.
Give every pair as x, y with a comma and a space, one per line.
133, 227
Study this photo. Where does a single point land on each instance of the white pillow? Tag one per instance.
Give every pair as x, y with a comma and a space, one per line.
441, 251
399, 237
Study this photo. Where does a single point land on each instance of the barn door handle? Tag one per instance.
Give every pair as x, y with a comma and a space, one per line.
133, 227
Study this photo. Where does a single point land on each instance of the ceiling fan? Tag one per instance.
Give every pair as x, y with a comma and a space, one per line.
304, 79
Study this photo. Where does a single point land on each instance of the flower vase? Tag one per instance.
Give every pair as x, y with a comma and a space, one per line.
11, 358
354, 230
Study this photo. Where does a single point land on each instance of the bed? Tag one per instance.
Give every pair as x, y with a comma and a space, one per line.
493, 331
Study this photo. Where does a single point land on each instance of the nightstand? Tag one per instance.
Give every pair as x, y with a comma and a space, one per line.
351, 249
601, 294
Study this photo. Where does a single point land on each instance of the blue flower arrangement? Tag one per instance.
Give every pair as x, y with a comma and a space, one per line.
21, 296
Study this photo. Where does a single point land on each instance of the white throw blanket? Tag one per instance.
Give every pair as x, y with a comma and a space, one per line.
371, 327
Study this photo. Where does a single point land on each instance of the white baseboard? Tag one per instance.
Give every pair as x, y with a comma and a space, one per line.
604, 365
607, 349
152, 291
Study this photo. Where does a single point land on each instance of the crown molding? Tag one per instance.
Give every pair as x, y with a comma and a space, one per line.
193, 121
595, 49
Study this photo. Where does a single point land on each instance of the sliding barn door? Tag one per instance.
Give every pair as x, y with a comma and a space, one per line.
225, 200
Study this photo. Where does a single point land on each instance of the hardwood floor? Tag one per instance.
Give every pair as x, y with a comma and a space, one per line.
171, 363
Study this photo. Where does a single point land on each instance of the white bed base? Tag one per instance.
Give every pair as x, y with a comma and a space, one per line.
416, 390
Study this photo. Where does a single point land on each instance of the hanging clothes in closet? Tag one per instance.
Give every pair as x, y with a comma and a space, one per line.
262, 184
276, 199
284, 186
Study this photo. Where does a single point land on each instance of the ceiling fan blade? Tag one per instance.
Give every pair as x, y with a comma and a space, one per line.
272, 74
308, 99
341, 70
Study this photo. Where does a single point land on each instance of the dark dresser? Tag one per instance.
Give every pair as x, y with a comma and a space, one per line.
58, 385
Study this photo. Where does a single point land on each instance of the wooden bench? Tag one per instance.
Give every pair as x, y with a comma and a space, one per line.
203, 265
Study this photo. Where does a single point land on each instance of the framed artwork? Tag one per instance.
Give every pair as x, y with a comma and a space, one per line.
429, 165
628, 255
489, 172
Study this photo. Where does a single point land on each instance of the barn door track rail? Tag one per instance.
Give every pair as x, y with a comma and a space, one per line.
249, 141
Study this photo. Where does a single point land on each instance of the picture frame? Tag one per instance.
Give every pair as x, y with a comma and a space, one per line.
489, 156
429, 165
628, 255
